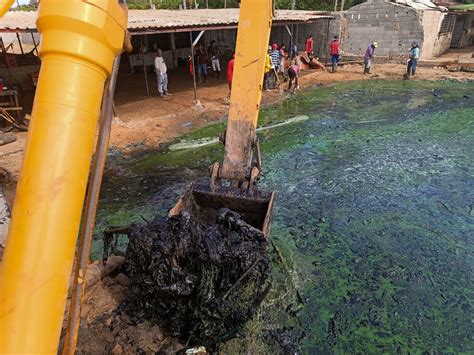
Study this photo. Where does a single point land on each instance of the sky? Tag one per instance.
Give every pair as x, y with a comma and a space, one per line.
21, 2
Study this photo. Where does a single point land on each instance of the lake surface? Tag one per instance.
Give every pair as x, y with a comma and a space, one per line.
373, 229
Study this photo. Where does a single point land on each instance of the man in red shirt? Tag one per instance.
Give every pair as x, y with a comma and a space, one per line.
335, 47
309, 46
230, 72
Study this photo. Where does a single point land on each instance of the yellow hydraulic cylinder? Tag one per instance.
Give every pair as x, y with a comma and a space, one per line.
4, 6
79, 42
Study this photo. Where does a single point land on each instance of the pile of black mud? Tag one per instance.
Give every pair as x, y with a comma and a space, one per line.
201, 282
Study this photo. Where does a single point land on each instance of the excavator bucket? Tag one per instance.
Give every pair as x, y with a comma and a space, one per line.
203, 203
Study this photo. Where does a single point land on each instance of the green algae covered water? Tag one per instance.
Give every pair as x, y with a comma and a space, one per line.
373, 229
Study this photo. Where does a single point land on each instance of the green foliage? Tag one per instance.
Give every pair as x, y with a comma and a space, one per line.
322, 5
24, 8
466, 7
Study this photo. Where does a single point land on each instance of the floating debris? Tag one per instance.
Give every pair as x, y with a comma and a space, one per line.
191, 144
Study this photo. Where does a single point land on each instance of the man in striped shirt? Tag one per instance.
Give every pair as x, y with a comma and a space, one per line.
275, 56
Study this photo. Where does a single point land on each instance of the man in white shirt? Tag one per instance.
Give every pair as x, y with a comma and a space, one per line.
161, 74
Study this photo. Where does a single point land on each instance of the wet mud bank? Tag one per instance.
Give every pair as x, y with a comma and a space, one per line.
371, 248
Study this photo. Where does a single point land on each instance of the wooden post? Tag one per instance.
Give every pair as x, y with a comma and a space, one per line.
173, 50
194, 67
142, 50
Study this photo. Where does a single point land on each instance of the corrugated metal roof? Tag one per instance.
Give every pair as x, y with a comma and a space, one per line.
167, 20
420, 4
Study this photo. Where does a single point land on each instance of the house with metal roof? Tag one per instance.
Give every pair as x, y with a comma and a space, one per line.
173, 31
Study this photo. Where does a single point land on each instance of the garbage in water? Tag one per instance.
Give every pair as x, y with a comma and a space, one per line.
201, 282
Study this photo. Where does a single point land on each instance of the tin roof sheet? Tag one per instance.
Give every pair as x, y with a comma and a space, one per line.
168, 20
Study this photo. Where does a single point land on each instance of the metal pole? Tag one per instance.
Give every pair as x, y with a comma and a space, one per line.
291, 43
88, 222
194, 67
327, 43
144, 65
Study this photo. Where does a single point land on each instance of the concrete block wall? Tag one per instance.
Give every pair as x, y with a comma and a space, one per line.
393, 26
434, 43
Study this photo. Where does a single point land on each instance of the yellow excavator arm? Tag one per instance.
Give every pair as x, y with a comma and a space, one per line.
80, 39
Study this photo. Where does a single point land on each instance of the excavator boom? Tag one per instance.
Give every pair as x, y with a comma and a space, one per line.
233, 184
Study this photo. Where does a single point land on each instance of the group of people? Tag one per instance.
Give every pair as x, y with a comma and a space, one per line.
413, 56
201, 60
274, 63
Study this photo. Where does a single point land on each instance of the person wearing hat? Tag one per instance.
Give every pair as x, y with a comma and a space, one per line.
414, 55
275, 56
369, 57
335, 47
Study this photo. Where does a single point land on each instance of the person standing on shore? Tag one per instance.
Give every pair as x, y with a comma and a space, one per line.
268, 70
230, 72
275, 56
293, 51
309, 46
202, 63
414, 55
161, 74
282, 61
369, 57
335, 47
213, 52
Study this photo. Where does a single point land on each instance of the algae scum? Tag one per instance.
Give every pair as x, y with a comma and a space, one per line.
372, 241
